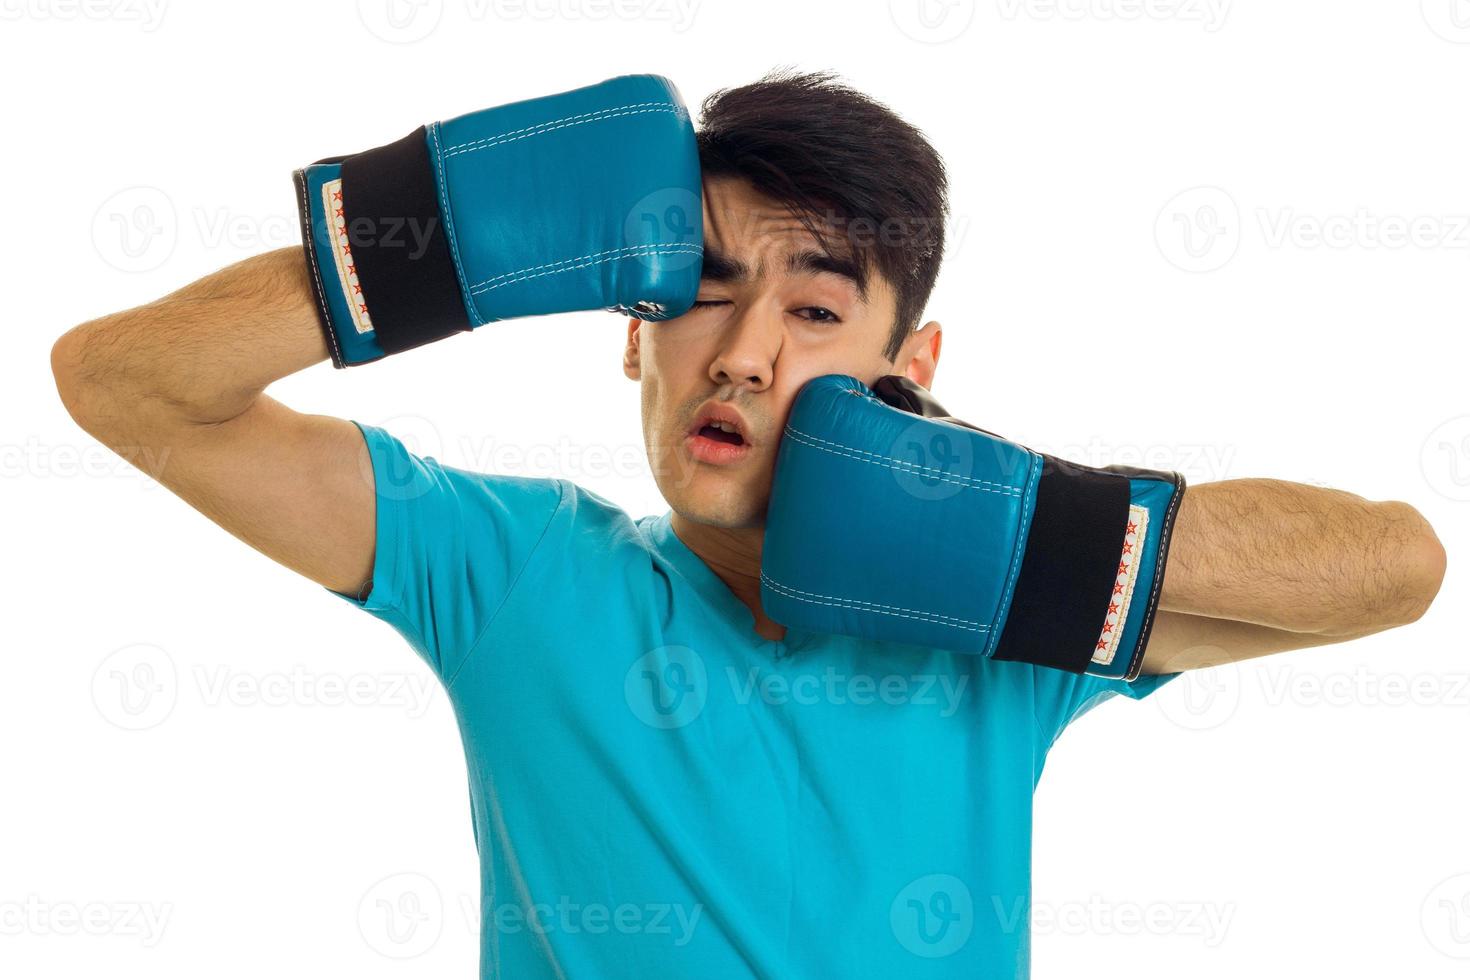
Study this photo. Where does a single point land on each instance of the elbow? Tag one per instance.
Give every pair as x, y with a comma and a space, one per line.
1423, 569
1431, 565
75, 385
65, 372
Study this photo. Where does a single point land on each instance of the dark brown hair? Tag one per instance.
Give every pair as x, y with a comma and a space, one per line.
844, 163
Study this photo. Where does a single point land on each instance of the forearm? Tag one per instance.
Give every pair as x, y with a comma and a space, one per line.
1300, 558
199, 355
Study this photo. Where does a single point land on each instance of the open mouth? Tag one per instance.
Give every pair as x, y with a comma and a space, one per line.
718, 436
722, 432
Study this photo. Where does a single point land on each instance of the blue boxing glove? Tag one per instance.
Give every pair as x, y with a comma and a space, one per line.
890, 520
589, 199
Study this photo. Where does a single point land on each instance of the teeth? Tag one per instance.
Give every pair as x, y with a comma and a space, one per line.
723, 426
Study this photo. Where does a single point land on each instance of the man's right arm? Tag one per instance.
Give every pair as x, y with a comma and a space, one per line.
180, 381
405, 244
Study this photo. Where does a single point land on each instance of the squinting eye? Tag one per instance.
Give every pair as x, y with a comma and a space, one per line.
704, 304
821, 314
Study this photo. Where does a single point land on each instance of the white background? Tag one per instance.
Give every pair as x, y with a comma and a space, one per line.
1227, 237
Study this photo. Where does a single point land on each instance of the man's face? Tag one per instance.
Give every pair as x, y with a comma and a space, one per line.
774, 311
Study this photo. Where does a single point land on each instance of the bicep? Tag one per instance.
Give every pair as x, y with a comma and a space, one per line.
298, 488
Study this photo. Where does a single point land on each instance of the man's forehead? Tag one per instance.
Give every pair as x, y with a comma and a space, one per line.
748, 226
736, 215
753, 228
747, 236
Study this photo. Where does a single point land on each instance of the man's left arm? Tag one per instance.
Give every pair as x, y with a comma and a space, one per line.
1263, 566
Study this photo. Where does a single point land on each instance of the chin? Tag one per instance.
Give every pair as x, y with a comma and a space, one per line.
729, 507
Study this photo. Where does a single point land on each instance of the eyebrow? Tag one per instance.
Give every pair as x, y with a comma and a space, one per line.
719, 267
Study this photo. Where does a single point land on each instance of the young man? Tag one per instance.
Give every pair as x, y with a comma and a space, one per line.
665, 780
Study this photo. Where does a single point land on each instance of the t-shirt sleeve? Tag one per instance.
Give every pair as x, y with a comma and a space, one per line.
1062, 697
450, 546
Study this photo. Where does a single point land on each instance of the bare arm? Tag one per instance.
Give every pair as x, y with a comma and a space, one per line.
180, 383
1263, 566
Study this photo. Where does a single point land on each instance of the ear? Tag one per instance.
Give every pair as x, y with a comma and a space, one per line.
632, 366
919, 358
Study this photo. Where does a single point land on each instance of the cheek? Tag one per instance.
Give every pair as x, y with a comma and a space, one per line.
796, 367
678, 359
854, 347
670, 372
665, 348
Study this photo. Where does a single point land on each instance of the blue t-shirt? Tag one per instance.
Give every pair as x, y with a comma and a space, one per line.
657, 791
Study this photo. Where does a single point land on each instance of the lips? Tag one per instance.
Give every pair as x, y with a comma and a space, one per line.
718, 436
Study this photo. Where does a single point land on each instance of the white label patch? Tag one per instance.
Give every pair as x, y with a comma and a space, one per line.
1112, 631
342, 256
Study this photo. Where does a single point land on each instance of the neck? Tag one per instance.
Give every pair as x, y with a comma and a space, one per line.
734, 555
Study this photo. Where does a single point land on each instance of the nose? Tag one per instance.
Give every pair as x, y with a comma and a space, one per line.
747, 353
